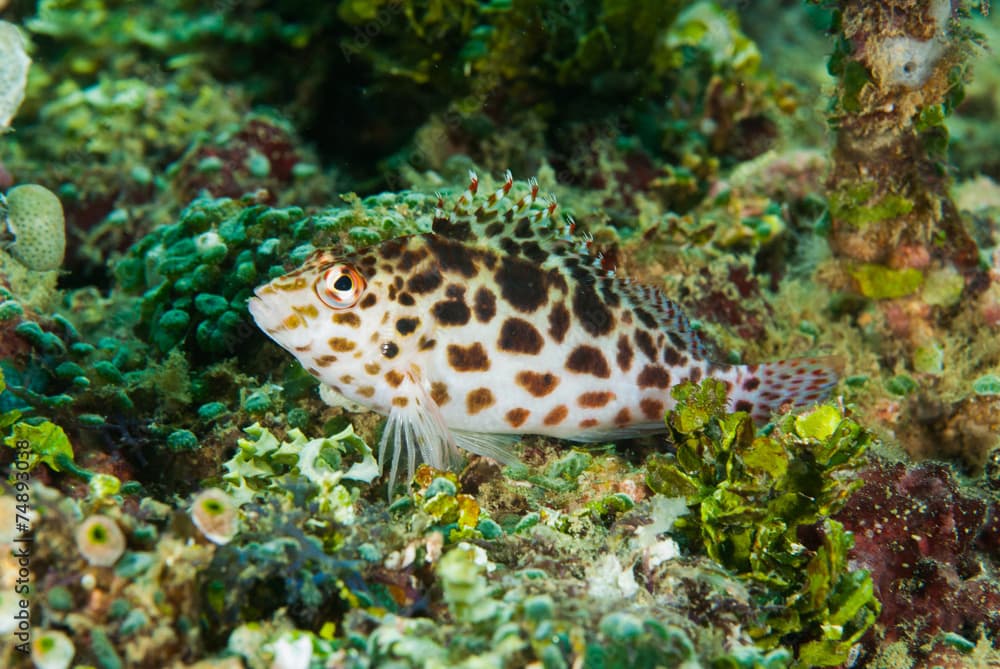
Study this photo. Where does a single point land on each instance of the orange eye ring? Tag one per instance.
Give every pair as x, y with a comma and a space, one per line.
340, 287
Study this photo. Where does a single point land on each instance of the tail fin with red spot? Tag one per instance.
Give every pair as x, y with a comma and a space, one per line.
771, 387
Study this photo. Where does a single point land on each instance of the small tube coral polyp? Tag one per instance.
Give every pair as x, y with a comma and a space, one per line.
52, 649
100, 541
216, 515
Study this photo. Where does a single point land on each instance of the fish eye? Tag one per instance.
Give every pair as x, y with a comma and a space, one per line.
340, 287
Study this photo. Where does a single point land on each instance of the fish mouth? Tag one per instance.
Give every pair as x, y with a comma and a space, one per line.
263, 314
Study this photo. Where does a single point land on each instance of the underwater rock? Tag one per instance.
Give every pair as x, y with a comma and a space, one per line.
931, 550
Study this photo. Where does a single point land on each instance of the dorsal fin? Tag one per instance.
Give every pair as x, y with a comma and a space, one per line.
527, 226
656, 310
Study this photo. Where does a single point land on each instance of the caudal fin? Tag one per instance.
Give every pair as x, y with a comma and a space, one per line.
764, 389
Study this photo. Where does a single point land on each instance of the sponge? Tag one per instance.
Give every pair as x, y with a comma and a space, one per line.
35, 217
14, 63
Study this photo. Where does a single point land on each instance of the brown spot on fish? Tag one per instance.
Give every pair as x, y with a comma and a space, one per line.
366, 391
537, 384
588, 360
452, 256
348, 318
451, 312
393, 378
424, 282
426, 344
591, 311
644, 341
367, 301
519, 336
408, 260
695, 375
625, 354
439, 393
406, 299
516, 417
556, 416
291, 322
594, 400
653, 376
461, 230
372, 368
522, 284
391, 248
743, 405
479, 399
325, 360
405, 326
472, 358
485, 305
558, 322
645, 317
340, 344
671, 356
347, 379
309, 311
400, 402
652, 409
588, 422
455, 291
751, 384
623, 417
304, 349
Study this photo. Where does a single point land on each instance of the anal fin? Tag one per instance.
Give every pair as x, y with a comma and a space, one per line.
500, 447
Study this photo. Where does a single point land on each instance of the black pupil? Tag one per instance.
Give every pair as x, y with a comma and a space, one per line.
343, 284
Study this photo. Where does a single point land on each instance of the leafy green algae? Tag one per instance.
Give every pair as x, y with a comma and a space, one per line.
881, 283
761, 507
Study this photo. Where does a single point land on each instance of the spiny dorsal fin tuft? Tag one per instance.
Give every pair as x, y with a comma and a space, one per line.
527, 226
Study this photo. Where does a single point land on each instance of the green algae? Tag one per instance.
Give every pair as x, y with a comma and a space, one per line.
853, 204
46, 443
883, 283
750, 494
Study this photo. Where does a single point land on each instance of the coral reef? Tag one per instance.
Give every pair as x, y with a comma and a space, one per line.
192, 502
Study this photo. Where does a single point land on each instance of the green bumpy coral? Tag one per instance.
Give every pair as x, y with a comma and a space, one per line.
195, 276
761, 506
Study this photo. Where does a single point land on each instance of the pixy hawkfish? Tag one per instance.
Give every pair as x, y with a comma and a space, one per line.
500, 323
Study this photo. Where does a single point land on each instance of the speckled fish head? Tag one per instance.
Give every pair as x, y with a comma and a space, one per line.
318, 312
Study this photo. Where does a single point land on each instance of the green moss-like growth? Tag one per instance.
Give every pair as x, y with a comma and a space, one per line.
882, 283
761, 507
853, 204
